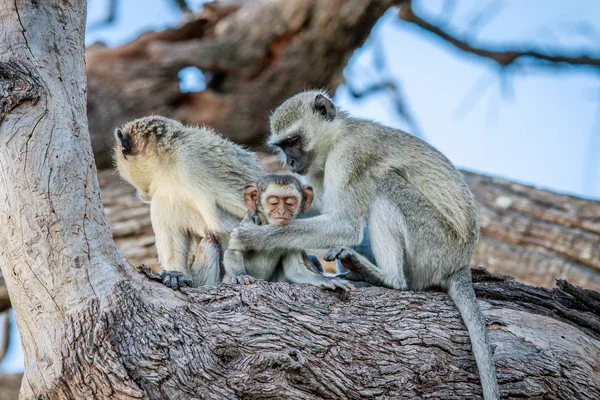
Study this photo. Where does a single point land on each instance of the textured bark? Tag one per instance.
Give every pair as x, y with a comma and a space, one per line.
273, 341
253, 57
91, 327
536, 235
56, 252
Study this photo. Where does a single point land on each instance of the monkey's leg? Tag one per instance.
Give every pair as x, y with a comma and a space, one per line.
235, 270
360, 268
296, 271
206, 263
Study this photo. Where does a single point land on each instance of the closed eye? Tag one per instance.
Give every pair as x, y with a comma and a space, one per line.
293, 142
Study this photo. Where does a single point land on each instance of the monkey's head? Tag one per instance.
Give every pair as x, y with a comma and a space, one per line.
302, 128
279, 197
140, 146
144, 135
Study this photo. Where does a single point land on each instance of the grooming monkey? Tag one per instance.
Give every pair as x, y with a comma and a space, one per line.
192, 177
421, 216
277, 200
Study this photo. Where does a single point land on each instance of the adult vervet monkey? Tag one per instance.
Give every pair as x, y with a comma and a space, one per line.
192, 177
421, 216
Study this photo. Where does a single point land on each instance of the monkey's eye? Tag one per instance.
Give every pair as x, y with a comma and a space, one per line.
290, 201
273, 200
294, 141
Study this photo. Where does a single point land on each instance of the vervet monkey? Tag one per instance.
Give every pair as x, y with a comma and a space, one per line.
277, 200
192, 177
421, 216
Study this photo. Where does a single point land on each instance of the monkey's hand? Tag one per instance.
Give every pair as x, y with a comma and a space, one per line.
252, 218
174, 279
243, 279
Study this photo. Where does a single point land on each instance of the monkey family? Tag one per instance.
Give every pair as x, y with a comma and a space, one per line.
420, 215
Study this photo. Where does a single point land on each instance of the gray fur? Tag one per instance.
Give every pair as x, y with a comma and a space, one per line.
421, 216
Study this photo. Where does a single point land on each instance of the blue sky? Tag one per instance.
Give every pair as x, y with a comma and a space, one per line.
546, 132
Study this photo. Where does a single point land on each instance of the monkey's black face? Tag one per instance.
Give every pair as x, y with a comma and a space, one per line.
126, 143
298, 159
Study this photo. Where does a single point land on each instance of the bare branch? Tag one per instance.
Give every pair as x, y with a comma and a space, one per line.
504, 57
386, 83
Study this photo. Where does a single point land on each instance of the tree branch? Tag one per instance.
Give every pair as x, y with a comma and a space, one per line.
504, 57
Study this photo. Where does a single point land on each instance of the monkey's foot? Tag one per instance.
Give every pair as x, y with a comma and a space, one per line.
243, 279
360, 268
343, 284
174, 279
349, 260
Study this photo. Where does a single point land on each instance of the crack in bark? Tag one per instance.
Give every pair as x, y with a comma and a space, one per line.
17, 85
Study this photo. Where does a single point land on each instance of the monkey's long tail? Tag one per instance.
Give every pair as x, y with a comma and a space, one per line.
462, 293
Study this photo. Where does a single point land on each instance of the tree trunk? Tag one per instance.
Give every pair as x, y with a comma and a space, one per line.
91, 327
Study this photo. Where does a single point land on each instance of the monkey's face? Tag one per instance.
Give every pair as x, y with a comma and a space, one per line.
298, 126
125, 143
280, 198
297, 156
281, 204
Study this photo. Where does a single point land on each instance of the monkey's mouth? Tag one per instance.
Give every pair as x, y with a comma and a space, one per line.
298, 168
281, 221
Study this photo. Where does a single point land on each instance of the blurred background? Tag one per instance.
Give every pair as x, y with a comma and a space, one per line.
508, 90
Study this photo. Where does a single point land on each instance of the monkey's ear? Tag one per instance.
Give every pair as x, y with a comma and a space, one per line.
251, 196
323, 106
308, 194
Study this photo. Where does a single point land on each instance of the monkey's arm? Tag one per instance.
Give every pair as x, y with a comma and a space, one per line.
235, 270
233, 260
323, 231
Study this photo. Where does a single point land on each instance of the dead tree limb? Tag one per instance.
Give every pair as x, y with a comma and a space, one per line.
503, 57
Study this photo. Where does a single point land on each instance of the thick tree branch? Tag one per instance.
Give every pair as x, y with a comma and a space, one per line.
504, 57
284, 341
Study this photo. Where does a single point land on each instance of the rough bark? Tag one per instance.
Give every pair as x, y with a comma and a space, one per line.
93, 328
56, 252
271, 341
536, 235
253, 58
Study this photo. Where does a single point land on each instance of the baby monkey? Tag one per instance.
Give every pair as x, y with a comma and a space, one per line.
277, 200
